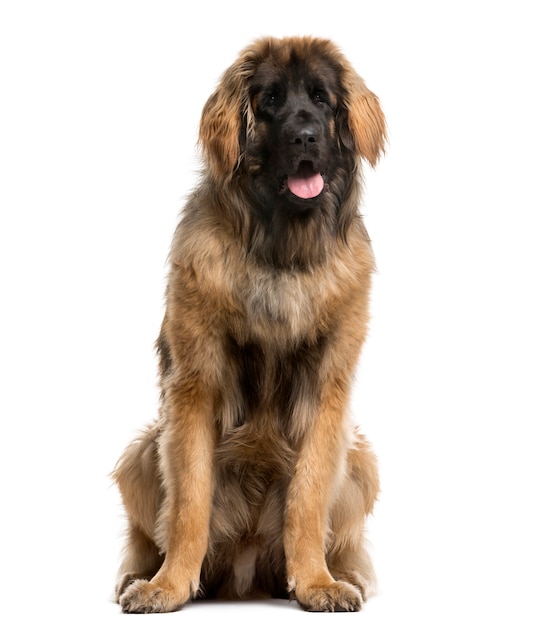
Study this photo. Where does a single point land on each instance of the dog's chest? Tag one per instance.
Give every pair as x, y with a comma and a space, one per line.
288, 303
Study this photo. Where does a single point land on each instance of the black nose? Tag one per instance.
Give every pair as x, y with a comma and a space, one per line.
304, 136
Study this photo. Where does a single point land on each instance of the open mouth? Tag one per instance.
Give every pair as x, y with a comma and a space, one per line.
305, 182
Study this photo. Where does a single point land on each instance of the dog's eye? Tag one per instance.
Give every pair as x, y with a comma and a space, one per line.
320, 96
271, 98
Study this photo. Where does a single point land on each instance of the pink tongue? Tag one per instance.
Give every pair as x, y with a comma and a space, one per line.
305, 183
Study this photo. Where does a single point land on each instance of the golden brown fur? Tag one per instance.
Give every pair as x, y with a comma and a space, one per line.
253, 481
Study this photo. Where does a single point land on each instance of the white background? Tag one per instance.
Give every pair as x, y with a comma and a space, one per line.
459, 384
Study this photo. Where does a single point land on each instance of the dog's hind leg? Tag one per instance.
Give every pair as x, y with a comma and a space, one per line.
347, 555
141, 560
137, 477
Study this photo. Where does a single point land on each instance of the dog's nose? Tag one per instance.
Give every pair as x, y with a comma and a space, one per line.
304, 136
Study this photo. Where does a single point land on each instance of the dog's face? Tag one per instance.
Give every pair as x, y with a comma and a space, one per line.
294, 148
292, 118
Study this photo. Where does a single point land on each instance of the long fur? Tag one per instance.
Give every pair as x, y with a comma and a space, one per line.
253, 481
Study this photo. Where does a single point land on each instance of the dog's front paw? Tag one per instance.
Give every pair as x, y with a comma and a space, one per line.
336, 596
143, 596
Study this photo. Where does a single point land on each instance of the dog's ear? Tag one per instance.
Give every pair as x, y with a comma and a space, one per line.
222, 125
363, 128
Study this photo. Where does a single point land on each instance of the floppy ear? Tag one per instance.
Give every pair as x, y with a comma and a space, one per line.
223, 120
367, 131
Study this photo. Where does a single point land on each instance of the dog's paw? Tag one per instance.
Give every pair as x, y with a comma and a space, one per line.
142, 596
366, 587
123, 582
338, 596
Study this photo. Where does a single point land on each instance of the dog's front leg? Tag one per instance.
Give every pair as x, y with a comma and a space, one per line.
313, 486
186, 450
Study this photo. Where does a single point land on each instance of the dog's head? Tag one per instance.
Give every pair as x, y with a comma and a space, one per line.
288, 112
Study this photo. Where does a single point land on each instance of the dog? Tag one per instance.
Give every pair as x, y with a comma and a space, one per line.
253, 482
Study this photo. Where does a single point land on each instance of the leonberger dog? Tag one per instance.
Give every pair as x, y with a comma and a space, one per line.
253, 482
